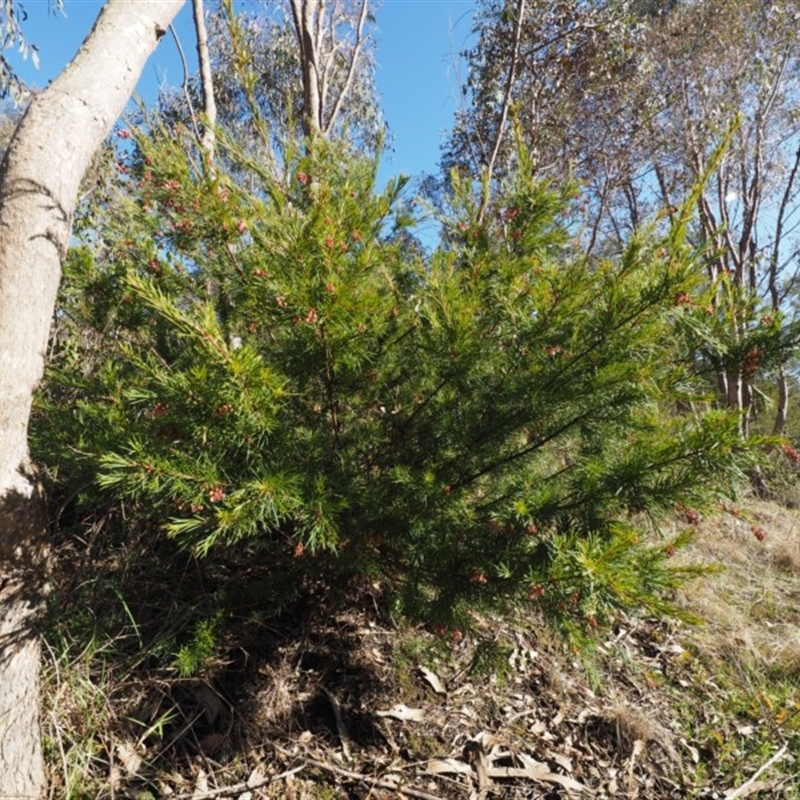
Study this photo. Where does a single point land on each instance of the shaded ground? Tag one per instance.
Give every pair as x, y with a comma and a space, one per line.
339, 704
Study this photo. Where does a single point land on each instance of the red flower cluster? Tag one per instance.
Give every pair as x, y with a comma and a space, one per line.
751, 362
217, 494
692, 517
791, 453
759, 533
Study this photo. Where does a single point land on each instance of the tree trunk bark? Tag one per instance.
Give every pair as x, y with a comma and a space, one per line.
208, 139
304, 15
782, 412
39, 181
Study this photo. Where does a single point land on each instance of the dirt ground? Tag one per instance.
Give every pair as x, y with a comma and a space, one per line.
346, 705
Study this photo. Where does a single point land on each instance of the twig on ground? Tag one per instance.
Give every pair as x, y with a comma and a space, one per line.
381, 784
741, 791
238, 788
344, 736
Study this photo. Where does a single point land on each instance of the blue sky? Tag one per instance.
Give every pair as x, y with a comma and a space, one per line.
417, 52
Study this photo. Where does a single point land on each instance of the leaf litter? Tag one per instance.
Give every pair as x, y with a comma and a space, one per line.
342, 705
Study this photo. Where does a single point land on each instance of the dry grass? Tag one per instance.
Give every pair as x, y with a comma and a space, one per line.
662, 710
750, 607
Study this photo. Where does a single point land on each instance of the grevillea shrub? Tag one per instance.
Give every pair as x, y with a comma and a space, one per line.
272, 372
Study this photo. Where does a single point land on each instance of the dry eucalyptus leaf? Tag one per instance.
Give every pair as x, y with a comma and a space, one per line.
448, 766
200, 783
128, 756
403, 712
433, 679
257, 776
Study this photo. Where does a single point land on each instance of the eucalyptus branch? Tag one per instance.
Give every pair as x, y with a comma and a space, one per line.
207, 140
337, 107
512, 74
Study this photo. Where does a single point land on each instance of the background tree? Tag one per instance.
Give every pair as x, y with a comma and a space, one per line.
41, 171
632, 101
282, 71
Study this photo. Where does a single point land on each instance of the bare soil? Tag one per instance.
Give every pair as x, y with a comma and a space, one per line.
343, 704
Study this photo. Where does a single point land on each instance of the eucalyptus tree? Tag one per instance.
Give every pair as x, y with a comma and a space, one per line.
52, 146
632, 100
288, 71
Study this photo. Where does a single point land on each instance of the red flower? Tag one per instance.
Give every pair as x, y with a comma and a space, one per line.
791, 453
217, 494
302, 177
123, 134
158, 410
692, 517
479, 577
535, 590
759, 533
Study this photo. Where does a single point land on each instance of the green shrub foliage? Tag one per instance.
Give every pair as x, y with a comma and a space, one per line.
274, 372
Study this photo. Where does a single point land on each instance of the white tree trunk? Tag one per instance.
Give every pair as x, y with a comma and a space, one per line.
208, 139
39, 181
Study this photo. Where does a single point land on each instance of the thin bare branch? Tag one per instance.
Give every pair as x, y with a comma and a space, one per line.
351, 71
208, 139
512, 74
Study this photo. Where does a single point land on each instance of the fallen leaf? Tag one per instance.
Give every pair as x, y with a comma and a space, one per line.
256, 777
433, 679
403, 712
543, 775
448, 766
753, 788
200, 783
129, 757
